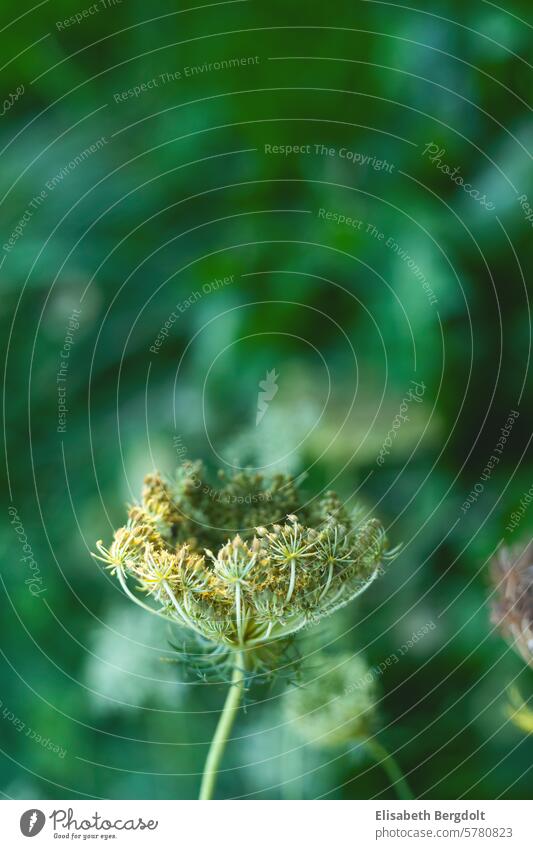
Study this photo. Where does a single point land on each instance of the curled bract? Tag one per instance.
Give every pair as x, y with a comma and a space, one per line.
512, 610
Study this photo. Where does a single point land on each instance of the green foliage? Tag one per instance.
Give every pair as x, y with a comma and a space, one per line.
183, 194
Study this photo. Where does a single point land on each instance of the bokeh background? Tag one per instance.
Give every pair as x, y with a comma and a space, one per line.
181, 192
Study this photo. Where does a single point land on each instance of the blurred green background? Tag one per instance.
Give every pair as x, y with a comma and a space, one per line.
181, 192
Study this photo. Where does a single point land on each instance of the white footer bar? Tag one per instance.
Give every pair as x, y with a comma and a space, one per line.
267, 824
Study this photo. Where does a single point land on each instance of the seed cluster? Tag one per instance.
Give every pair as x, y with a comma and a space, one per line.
512, 575
244, 591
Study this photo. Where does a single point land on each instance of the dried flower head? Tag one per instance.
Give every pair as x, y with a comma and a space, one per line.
512, 612
337, 705
247, 592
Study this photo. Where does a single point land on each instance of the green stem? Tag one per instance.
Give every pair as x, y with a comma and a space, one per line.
385, 759
227, 717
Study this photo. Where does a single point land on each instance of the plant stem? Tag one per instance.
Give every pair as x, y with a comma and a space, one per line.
225, 723
391, 767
